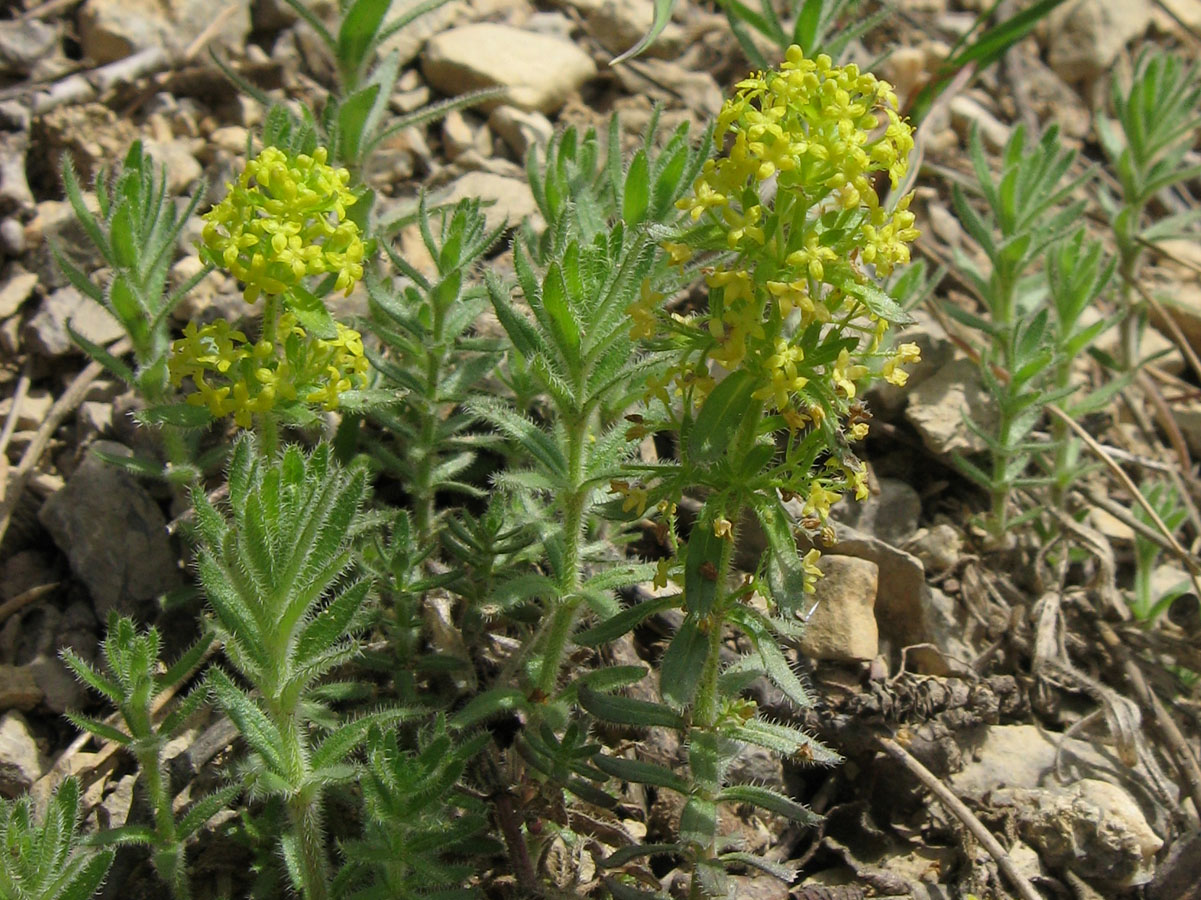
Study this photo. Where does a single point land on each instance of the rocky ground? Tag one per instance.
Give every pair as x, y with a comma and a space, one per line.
1024, 703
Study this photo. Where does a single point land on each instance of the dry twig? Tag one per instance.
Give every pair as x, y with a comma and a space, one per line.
957, 807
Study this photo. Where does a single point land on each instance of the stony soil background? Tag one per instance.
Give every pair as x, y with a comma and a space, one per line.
1032, 712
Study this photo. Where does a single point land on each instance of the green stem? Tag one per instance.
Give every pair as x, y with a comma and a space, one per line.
706, 709
1134, 324
169, 860
567, 607
304, 804
1062, 476
427, 441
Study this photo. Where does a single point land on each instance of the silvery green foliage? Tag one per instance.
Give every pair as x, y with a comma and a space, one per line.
1027, 208
47, 861
1157, 114
133, 680
420, 828
136, 231
583, 184
286, 606
425, 324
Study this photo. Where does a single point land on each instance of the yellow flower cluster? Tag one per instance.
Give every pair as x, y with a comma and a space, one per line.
820, 132
234, 376
283, 221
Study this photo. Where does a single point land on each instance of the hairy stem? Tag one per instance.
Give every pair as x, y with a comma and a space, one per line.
568, 604
427, 442
169, 859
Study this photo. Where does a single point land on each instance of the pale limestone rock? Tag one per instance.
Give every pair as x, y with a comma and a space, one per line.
619, 24
1092, 827
113, 29
18, 688
538, 71
520, 129
842, 626
113, 534
1086, 36
20, 761
47, 333
937, 406
967, 114
16, 290
938, 547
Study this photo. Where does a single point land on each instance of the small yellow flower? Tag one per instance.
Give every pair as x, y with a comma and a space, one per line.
642, 311
858, 431
723, 528
820, 499
811, 569
845, 374
282, 221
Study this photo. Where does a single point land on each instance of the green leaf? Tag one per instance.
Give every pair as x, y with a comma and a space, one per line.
353, 114
349, 735
775, 664
701, 565
356, 37
636, 195
982, 52
87, 673
785, 740
181, 415
112, 364
100, 729
562, 323
787, 874
489, 705
628, 711
310, 310
523, 335
875, 299
641, 772
772, 801
332, 623
205, 808
682, 664
720, 417
698, 821
658, 23
606, 678
622, 891
83, 877
626, 620
262, 736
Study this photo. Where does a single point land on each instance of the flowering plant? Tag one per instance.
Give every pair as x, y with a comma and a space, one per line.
795, 321
283, 221
763, 389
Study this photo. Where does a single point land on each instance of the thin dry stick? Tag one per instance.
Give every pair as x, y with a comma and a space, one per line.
1173, 326
1130, 486
1168, 421
19, 477
1186, 761
10, 424
23, 599
1024, 888
209, 33
1122, 514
